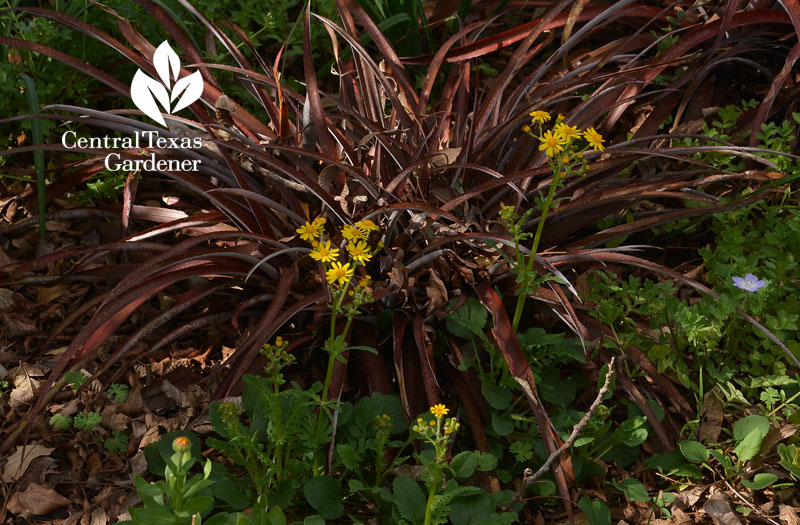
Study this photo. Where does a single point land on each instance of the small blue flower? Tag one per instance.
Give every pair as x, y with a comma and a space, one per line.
749, 283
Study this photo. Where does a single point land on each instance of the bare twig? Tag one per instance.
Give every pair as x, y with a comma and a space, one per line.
576, 430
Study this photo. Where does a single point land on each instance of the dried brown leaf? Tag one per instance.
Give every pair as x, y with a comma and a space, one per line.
436, 292
10, 300
789, 515
720, 511
17, 325
46, 295
36, 500
21, 459
711, 418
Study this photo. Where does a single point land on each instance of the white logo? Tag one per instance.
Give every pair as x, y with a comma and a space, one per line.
145, 90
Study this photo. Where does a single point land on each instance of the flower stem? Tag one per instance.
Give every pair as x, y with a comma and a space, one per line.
333, 353
526, 273
431, 495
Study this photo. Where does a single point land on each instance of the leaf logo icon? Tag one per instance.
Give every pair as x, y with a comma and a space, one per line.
153, 97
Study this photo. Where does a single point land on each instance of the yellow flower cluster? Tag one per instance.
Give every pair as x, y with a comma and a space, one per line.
560, 138
358, 250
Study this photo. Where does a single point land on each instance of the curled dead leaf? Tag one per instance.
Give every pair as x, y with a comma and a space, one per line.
436, 292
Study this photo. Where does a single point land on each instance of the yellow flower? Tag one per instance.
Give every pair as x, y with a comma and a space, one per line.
539, 116
324, 252
551, 144
526, 128
359, 251
439, 410
594, 139
311, 230
279, 341
320, 221
351, 232
565, 159
567, 131
339, 272
362, 283
367, 226
560, 117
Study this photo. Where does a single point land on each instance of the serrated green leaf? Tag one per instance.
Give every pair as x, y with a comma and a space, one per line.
596, 511
60, 422
325, 495
470, 318
748, 447
409, 500
694, 451
633, 489
347, 455
486, 461
497, 396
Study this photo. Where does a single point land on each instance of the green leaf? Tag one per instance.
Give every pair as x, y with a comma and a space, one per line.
153, 516
633, 489
464, 464
364, 349
276, 517
325, 495
694, 451
553, 389
314, 520
197, 505
748, 447
409, 499
486, 461
119, 392
746, 425
230, 492
75, 379
347, 455
596, 510
87, 421
760, 481
470, 318
60, 422
502, 424
497, 396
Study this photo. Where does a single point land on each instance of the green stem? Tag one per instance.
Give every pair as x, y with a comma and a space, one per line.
278, 430
431, 495
332, 355
532, 257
